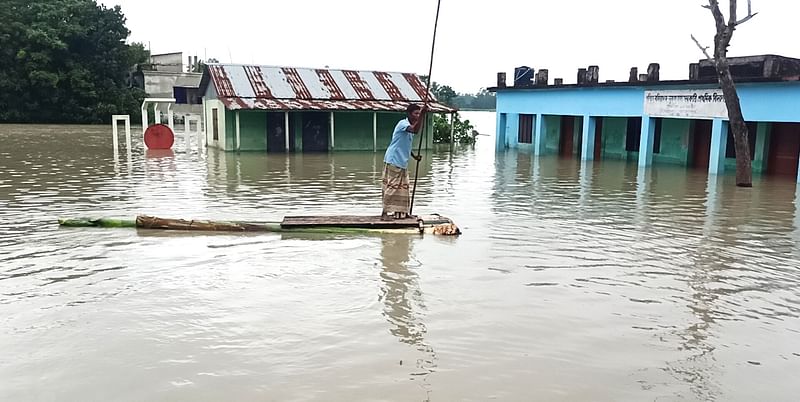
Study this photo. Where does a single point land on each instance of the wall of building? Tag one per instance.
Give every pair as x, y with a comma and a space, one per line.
353, 131
766, 102
674, 142
209, 105
763, 103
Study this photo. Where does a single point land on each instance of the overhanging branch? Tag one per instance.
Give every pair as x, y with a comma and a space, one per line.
702, 48
745, 19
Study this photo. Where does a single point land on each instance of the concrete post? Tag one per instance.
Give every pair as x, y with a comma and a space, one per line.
500, 137
286, 128
156, 113
115, 130
238, 133
374, 131
170, 117
719, 143
452, 129
798, 171
587, 139
648, 134
540, 135
333, 137
144, 117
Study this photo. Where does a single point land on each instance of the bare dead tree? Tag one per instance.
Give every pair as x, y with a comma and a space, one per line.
722, 39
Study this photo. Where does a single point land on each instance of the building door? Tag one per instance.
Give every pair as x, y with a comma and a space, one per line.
784, 149
598, 138
316, 131
701, 143
567, 139
276, 132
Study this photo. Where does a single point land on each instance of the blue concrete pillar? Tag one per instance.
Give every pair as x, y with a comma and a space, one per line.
719, 143
798, 171
500, 138
512, 130
646, 138
587, 139
540, 133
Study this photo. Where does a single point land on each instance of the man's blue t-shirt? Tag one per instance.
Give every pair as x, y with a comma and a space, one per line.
400, 147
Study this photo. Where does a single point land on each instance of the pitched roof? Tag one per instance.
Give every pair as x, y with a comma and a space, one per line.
289, 88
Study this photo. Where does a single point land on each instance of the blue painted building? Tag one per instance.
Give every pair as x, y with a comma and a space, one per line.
643, 119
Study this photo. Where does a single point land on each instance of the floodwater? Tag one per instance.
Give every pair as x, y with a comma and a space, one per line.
571, 282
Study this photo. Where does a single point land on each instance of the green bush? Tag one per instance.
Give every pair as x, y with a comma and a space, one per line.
463, 131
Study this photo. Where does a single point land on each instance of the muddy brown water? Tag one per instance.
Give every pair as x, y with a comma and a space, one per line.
571, 281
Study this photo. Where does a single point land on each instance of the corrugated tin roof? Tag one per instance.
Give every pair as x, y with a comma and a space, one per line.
290, 88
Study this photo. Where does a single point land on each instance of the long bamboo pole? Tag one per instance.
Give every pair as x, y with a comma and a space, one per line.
427, 98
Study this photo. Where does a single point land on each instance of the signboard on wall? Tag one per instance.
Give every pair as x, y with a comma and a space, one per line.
688, 104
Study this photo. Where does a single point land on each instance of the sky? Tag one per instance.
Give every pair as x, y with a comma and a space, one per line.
475, 39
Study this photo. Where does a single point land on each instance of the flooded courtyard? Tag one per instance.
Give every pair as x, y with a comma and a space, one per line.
570, 282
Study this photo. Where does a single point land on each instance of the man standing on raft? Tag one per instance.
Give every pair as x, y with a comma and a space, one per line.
396, 197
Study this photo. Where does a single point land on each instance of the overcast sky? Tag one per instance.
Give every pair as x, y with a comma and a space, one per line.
475, 39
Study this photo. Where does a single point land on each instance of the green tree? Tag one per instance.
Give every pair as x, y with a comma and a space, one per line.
65, 61
443, 93
463, 130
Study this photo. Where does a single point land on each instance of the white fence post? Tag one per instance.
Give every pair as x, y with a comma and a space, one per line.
187, 130
115, 130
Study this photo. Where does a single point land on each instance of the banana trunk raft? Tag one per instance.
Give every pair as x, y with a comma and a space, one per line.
347, 224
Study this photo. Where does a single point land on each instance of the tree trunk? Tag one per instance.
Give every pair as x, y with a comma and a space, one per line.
744, 172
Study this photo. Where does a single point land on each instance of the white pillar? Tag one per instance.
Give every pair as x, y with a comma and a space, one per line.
128, 133
374, 131
452, 129
156, 113
186, 129
144, 117
333, 142
587, 138
238, 133
114, 133
170, 117
115, 130
286, 128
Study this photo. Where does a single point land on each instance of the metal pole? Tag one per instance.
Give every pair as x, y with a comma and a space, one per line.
374, 131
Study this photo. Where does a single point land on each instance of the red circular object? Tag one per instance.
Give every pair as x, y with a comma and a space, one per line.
159, 136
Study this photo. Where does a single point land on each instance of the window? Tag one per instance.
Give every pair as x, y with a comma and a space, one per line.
633, 134
525, 129
215, 124
730, 149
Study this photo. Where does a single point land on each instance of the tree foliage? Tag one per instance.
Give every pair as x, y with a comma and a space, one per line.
464, 131
482, 100
65, 61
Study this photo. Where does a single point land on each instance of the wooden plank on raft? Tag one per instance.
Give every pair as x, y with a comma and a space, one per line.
360, 221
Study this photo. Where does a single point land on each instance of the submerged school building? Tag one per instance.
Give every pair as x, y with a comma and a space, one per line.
287, 109
682, 122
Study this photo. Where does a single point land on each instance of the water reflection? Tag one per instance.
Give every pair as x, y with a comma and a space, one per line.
402, 298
